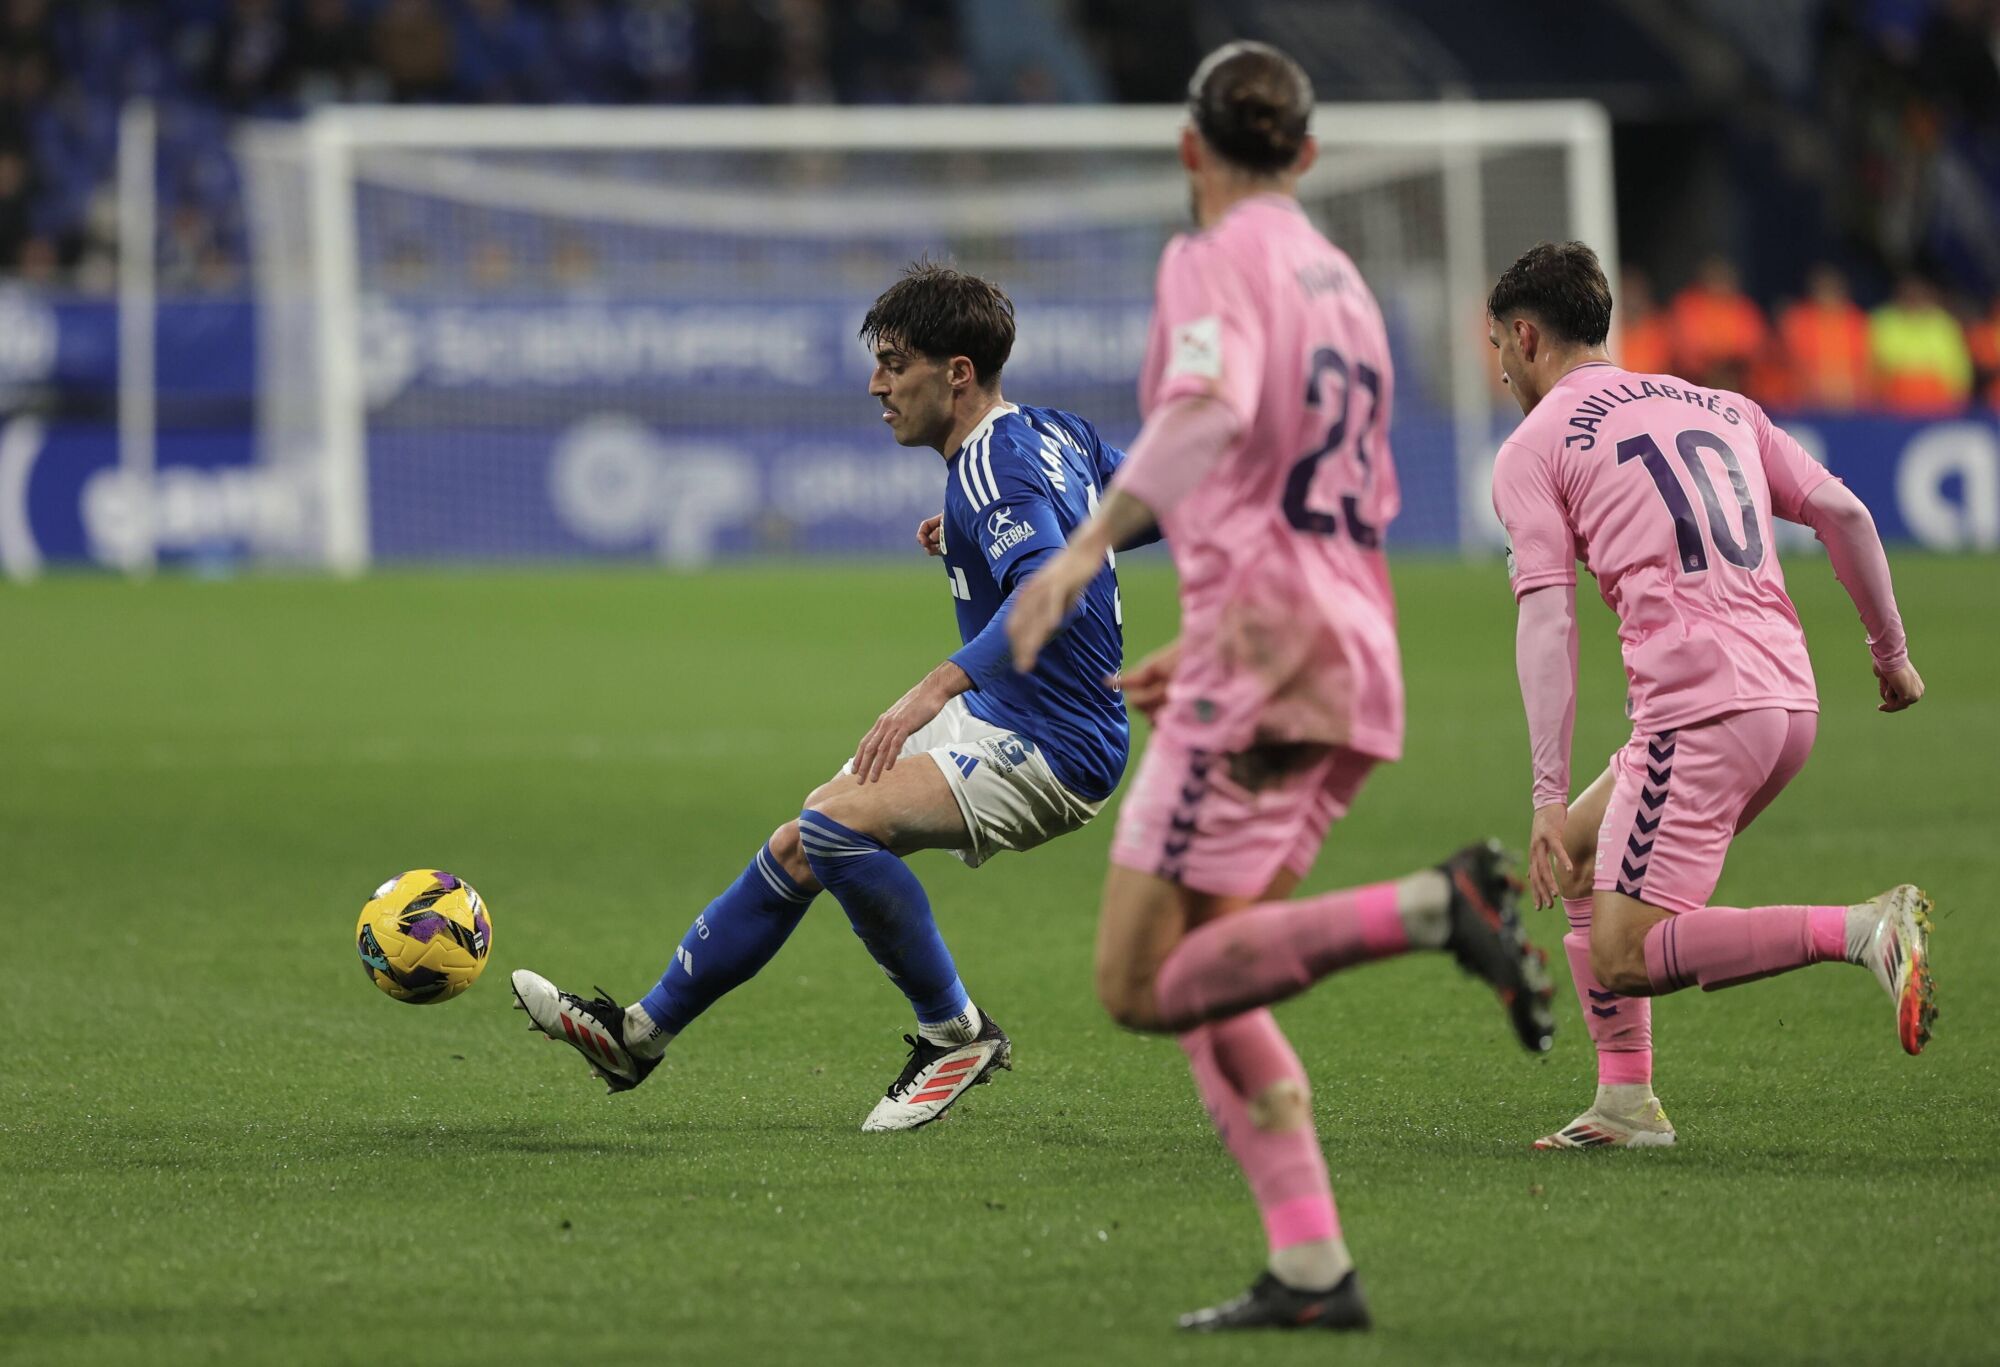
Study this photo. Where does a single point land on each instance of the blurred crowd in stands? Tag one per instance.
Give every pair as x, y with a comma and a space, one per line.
1914, 354
1906, 326
1911, 354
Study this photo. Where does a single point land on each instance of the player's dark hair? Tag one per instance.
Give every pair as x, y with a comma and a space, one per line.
939, 312
1562, 287
1252, 104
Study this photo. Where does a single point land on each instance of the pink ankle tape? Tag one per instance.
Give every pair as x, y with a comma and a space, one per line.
1621, 1028
1301, 1220
1620, 1070
1382, 930
1829, 931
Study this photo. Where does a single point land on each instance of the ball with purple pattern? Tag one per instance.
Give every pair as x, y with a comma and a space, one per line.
425, 936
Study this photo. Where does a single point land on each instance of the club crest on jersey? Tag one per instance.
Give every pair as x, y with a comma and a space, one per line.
1006, 532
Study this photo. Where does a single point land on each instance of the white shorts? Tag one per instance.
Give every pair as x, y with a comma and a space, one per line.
1010, 798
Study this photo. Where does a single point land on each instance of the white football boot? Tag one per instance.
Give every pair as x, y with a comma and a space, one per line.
593, 1026
1897, 948
1623, 1117
936, 1076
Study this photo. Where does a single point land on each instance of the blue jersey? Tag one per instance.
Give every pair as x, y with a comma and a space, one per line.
1021, 483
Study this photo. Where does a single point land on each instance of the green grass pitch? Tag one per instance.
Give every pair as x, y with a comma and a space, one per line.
218, 1143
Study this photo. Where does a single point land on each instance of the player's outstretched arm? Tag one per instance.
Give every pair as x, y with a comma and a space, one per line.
1803, 492
877, 753
1854, 548
1041, 605
1109, 460
1545, 662
1181, 442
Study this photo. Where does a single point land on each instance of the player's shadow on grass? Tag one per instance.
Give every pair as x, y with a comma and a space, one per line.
620, 1135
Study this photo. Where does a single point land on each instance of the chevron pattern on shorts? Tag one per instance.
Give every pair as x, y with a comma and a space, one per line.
1181, 825
1659, 772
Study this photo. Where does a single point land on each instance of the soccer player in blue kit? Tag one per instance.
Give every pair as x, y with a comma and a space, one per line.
997, 760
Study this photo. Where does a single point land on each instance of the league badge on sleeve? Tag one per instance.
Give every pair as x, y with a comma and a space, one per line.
1197, 349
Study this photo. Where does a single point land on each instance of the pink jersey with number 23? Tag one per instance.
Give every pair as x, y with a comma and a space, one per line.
1666, 491
1288, 624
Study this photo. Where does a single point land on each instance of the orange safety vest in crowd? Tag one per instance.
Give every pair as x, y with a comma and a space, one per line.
1826, 352
1716, 328
1647, 346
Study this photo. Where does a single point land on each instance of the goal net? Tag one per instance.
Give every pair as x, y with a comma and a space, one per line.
547, 333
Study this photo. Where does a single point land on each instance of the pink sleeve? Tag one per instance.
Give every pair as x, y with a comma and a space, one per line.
1843, 525
1213, 332
1545, 661
1182, 441
1541, 549
1789, 469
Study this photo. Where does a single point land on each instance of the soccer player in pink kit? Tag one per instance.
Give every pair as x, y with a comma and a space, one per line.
1666, 491
1265, 460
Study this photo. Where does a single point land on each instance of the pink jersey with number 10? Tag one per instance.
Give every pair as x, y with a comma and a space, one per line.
1288, 625
1666, 491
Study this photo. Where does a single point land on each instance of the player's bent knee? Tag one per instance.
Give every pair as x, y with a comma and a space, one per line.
1284, 1105
791, 855
1629, 982
860, 810
1577, 882
1619, 962
1128, 1001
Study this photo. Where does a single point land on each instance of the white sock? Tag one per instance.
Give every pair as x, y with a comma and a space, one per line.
1861, 923
643, 1035
1423, 901
960, 1029
1622, 1098
1315, 1266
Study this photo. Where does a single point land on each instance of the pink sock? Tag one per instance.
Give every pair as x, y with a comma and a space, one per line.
1724, 946
1620, 1027
1274, 950
1233, 1061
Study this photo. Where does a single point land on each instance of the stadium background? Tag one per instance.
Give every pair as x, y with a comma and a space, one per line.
218, 1144
1808, 207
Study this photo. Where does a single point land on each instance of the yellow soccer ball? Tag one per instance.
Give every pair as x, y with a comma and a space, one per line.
424, 936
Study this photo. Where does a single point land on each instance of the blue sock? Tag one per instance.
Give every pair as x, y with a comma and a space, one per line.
728, 943
890, 912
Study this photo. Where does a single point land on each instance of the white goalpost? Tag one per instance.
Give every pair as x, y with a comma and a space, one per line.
496, 334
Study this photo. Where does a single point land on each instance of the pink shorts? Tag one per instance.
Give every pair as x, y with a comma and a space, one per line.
1679, 797
1225, 824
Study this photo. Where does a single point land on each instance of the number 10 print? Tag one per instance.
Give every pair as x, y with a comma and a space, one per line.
1749, 552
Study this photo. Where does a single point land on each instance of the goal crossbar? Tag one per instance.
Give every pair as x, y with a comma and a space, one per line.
434, 152
939, 128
